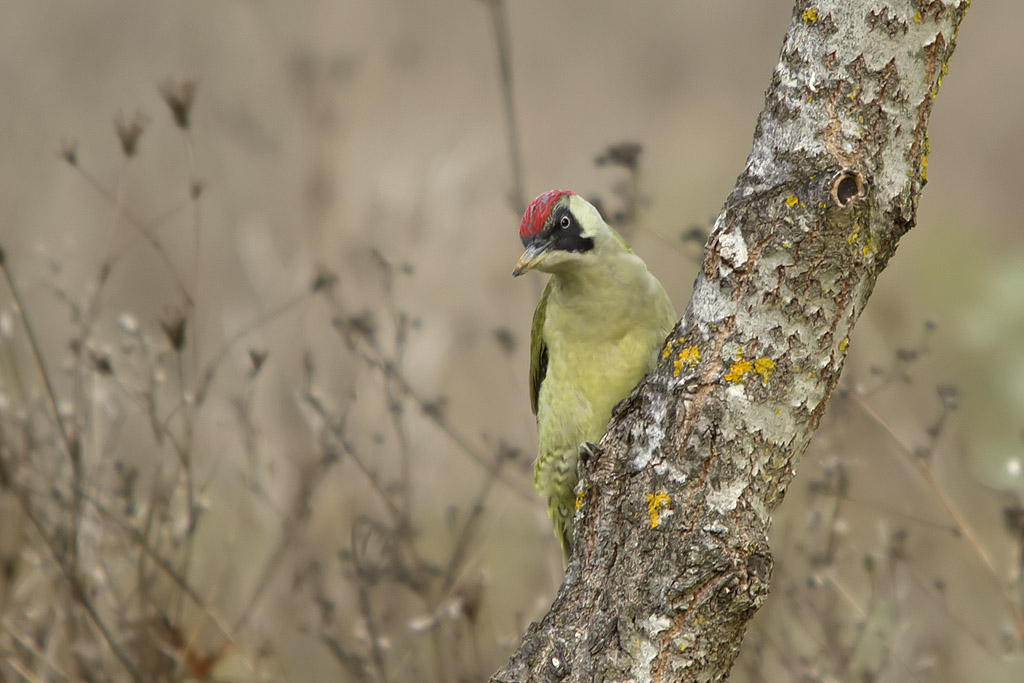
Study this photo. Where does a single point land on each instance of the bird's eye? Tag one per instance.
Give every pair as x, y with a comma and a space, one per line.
565, 222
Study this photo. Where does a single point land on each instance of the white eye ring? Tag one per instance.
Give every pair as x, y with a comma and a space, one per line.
565, 222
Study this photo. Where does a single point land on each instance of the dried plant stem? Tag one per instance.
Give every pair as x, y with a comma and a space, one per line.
392, 394
139, 538
197, 236
270, 567
86, 317
404, 451
147, 403
186, 455
290, 527
375, 358
473, 516
940, 492
376, 648
68, 437
206, 376
396, 413
501, 41
51, 396
349, 450
28, 642
142, 229
353, 662
78, 592
943, 608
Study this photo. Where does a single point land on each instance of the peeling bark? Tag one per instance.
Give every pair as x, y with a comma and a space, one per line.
672, 557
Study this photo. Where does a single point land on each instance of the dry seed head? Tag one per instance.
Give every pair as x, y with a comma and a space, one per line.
256, 358
625, 154
324, 279
174, 327
69, 151
100, 361
179, 94
129, 130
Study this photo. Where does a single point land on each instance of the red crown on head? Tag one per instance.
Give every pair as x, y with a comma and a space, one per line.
538, 211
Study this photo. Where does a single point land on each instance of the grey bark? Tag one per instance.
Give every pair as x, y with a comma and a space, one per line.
672, 558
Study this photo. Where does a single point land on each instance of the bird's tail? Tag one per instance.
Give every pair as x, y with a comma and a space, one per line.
561, 517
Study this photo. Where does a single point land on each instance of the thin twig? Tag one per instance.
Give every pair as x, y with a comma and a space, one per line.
940, 492
350, 451
952, 617
208, 374
466, 534
299, 514
139, 538
210, 370
148, 403
70, 440
51, 395
29, 643
142, 228
373, 357
354, 662
891, 512
197, 235
394, 405
79, 594
187, 459
366, 609
497, 8
267, 572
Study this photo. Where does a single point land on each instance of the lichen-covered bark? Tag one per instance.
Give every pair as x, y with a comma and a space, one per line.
672, 558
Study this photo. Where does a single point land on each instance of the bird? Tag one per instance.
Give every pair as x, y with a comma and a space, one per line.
597, 330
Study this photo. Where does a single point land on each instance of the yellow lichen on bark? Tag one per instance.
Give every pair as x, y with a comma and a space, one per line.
655, 502
764, 367
739, 369
687, 358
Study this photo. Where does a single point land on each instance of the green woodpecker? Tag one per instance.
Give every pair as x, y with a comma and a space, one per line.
596, 332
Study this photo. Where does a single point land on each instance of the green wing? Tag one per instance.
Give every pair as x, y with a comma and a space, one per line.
538, 349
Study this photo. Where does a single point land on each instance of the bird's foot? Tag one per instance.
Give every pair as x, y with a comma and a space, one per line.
589, 452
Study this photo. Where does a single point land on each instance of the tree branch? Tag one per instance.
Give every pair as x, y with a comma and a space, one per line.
672, 558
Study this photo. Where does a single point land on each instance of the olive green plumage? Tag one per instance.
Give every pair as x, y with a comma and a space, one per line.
597, 330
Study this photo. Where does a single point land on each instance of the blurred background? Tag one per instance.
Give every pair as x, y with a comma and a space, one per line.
265, 250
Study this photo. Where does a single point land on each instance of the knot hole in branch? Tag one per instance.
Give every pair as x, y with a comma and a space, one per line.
847, 187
